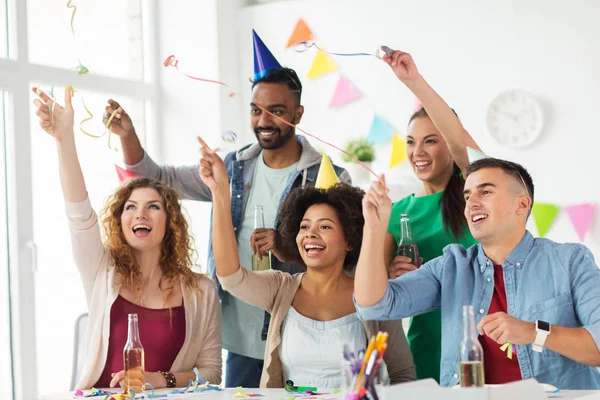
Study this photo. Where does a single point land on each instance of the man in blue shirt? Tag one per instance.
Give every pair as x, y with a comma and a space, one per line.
552, 290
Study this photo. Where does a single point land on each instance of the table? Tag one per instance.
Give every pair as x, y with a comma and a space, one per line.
269, 394
278, 394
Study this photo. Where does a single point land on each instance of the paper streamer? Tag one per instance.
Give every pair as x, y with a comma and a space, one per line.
93, 392
72, 14
510, 349
239, 394
379, 53
345, 93
319, 139
581, 216
544, 215
172, 61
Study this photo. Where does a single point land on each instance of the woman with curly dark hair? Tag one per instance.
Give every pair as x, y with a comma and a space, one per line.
144, 268
312, 313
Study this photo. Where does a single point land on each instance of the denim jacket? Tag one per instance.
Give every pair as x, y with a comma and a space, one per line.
240, 169
545, 280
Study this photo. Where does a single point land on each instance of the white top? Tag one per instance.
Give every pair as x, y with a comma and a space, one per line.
243, 323
311, 351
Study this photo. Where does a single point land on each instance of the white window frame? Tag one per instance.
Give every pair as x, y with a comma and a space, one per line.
16, 76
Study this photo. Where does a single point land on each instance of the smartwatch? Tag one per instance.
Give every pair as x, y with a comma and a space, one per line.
543, 330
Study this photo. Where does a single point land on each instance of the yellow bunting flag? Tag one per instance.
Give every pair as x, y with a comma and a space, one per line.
398, 150
322, 65
302, 33
326, 177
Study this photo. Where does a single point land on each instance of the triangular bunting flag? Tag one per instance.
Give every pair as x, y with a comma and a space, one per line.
398, 150
345, 93
475, 155
326, 177
544, 215
323, 64
124, 174
301, 33
380, 132
581, 216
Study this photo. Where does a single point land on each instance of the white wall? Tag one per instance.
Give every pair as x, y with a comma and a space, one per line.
188, 30
469, 51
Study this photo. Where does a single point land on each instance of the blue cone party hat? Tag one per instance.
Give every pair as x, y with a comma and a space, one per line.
263, 59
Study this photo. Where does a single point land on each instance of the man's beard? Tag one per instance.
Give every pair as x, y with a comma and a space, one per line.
276, 140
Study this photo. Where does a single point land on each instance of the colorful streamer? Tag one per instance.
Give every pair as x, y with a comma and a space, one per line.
319, 139
510, 349
72, 14
172, 61
307, 45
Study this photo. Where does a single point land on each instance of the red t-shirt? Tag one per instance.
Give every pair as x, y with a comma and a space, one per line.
161, 334
498, 367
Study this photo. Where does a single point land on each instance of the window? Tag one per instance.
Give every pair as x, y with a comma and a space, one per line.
35, 251
107, 39
6, 382
58, 291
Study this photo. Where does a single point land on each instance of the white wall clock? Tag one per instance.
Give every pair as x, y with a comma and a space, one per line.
515, 118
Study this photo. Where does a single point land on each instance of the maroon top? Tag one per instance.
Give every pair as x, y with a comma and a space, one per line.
498, 367
161, 335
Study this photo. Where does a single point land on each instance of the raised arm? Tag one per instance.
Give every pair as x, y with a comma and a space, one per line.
440, 113
184, 179
214, 176
255, 288
122, 125
375, 297
371, 278
57, 121
88, 251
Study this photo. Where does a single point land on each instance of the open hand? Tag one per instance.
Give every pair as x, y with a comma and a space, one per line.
377, 206
212, 168
56, 120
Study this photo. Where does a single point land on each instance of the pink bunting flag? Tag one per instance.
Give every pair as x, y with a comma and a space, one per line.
345, 92
124, 174
581, 216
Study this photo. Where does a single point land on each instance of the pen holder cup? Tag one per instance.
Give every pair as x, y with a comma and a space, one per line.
350, 390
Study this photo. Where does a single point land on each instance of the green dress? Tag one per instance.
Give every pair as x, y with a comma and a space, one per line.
426, 223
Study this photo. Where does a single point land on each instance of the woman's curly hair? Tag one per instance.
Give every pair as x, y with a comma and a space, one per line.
344, 198
177, 253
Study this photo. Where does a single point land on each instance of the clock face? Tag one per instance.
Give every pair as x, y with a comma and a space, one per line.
515, 118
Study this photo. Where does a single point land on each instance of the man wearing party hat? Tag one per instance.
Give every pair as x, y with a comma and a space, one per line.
260, 174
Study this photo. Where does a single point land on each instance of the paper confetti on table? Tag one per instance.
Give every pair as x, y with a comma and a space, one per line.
239, 394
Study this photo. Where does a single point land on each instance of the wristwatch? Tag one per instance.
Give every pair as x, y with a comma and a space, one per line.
543, 330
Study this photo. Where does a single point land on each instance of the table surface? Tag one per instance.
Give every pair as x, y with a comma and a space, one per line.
278, 394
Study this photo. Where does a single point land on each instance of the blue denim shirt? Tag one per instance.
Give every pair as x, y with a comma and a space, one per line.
240, 169
553, 282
